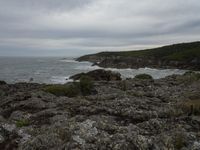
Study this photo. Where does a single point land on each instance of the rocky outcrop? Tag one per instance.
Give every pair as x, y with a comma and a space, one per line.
137, 62
181, 56
2, 82
99, 75
131, 114
133, 62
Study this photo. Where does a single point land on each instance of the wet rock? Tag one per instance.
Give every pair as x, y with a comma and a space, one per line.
99, 75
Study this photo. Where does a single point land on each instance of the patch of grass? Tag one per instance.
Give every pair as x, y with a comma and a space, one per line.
143, 76
179, 141
189, 77
22, 123
70, 90
191, 107
86, 85
176, 52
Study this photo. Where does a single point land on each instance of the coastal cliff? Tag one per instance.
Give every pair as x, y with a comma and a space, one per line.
181, 56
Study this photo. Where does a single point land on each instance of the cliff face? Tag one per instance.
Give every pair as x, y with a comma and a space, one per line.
133, 62
181, 56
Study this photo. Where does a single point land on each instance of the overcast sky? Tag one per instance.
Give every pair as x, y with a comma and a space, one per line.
76, 27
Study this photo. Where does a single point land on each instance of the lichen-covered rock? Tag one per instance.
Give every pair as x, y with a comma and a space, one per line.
146, 115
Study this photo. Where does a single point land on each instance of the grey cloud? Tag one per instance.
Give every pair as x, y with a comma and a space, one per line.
83, 26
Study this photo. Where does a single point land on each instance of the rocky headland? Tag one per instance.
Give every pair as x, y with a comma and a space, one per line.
132, 114
181, 56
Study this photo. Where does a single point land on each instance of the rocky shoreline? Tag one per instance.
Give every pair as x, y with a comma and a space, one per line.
178, 56
132, 114
137, 62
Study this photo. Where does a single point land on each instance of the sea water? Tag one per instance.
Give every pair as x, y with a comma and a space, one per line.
58, 70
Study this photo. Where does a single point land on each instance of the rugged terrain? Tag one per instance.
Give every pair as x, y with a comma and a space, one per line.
181, 56
134, 114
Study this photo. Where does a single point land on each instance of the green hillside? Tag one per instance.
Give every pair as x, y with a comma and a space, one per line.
179, 52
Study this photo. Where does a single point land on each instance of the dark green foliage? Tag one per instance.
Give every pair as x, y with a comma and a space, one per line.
69, 90
22, 123
2, 82
191, 107
178, 52
179, 141
143, 76
189, 77
86, 85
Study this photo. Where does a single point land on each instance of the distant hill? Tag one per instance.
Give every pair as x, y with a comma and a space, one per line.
183, 56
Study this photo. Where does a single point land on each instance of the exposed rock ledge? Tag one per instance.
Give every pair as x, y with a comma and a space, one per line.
136, 62
124, 115
99, 75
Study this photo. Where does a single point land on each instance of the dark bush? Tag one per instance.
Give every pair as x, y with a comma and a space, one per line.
69, 90
143, 76
179, 142
2, 82
191, 107
86, 85
189, 77
22, 123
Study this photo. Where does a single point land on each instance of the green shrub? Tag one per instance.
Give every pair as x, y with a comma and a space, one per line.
188, 73
189, 77
143, 76
191, 107
2, 82
22, 123
69, 90
86, 85
179, 141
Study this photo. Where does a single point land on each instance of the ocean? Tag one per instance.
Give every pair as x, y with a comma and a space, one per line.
58, 70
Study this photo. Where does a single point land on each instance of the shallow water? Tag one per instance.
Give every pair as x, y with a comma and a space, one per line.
58, 70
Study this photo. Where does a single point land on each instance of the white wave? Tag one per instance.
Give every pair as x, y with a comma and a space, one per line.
69, 61
87, 67
74, 61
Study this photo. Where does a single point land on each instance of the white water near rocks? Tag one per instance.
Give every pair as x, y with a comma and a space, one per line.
58, 70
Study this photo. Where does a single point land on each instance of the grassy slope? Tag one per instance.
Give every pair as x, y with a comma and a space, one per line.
179, 52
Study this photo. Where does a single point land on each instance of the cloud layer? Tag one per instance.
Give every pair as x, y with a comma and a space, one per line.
76, 27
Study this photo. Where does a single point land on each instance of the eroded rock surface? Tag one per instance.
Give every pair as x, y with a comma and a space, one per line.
123, 115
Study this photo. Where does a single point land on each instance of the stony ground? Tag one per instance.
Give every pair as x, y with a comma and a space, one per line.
123, 115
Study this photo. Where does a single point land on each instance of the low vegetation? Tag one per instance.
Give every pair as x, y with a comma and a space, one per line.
179, 142
178, 52
69, 90
143, 76
191, 107
84, 87
2, 82
189, 77
22, 123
